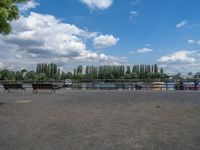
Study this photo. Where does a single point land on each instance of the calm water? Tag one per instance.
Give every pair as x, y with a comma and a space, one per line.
113, 86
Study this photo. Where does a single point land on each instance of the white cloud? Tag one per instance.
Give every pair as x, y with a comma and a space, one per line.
181, 61
181, 56
98, 4
191, 41
144, 50
44, 38
182, 24
104, 41
28, 5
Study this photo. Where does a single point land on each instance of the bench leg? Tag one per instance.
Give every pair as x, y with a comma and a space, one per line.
7, 90
23, 90
53, 91
35, 91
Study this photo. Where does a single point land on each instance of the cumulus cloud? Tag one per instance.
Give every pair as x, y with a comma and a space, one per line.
44, 38
104, 41
98, 4
144, 50
182, 24
181, 61
180, 56
28, 5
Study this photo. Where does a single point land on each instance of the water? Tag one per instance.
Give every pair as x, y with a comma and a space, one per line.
114, 86
171, 86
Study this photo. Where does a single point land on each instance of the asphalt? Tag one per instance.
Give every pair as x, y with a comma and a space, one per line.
100, 120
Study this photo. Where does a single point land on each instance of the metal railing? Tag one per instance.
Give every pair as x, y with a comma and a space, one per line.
159, 84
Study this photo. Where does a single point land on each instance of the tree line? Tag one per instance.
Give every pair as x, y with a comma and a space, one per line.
43, 72
119, 72
51, 71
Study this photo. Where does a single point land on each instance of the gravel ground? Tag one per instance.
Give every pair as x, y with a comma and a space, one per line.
100, 120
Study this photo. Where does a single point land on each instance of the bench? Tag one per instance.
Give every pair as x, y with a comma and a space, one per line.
40, 86
7, 87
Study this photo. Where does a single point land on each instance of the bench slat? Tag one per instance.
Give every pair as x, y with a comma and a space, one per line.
7, 87
43, 87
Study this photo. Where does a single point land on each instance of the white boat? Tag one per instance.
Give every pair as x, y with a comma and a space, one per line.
159, 86
68, 83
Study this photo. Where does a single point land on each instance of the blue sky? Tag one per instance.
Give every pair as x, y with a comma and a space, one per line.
118, 32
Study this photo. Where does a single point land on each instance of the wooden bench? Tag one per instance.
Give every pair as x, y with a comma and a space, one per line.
40, 86
7, 87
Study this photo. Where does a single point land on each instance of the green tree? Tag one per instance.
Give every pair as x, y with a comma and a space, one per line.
7, 75
87, 70
19, 76
128, 70
80, 69
155, 68
51, 71
31, 75
41, 77
64, 75
8, 12
161, 71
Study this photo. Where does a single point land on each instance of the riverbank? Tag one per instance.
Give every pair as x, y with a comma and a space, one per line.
89, 120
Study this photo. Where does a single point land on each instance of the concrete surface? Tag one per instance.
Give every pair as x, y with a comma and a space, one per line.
100, 120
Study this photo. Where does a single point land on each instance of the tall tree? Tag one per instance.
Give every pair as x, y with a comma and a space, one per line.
155, 68
8, 12
51, 71
161, 71
128, 70
80, 69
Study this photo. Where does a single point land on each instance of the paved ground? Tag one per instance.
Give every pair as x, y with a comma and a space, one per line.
100, 120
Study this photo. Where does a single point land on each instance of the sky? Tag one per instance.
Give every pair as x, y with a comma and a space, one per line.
105, 32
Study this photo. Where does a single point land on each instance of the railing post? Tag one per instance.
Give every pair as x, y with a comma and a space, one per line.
93, 85
195, 85
72, 86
